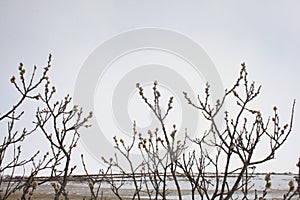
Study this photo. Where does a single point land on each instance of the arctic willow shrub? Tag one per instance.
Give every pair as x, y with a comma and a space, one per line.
244, 130
56, 119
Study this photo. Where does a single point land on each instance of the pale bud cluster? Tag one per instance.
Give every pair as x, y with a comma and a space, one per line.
35, 184
173, 133
75, 108
55, 186
90, 114
291, 185
91, 184
13, 79
268, 179
150, 133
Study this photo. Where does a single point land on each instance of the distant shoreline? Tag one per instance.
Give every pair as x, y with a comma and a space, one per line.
81, 177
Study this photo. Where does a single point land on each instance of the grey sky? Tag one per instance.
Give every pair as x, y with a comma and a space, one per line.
264, 34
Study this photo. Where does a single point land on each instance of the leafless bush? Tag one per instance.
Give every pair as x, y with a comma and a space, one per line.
57, 120
95, 182
11, 141
164, 159
60, 124
159, 154
30, 184
236, 142
240, 138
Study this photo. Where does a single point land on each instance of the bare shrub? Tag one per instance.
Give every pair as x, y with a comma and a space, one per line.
236, 142
240, 138
11, 141
223, 173
58, 120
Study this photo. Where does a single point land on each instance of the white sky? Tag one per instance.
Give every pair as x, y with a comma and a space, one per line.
264, 34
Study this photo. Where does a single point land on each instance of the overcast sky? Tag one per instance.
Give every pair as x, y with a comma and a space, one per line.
264, 34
